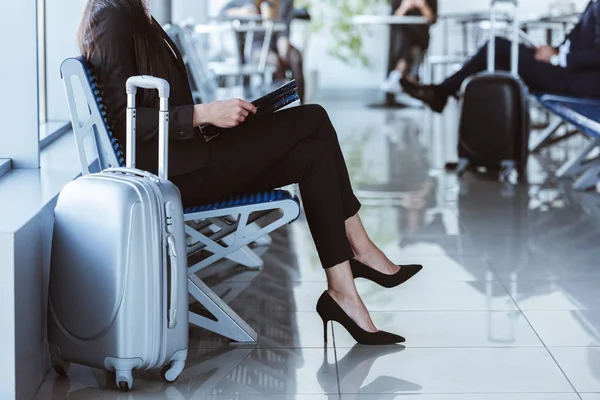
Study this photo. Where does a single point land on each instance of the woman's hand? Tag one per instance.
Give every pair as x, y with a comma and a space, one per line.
223, 114
544, 53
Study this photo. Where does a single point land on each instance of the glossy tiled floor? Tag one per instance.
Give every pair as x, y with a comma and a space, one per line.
507, 307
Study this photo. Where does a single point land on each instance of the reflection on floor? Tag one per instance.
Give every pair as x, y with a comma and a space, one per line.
507, 306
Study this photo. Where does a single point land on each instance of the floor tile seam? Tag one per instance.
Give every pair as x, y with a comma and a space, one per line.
559, 280
446, 310
487, 260
436, 347
467, 393
540, 339
497, 277
444, 280
480, 347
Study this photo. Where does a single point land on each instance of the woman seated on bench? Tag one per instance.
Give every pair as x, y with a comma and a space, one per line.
299, 145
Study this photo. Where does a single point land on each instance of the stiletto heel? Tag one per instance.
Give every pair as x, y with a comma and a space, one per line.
329, 310
360, 270
325, 331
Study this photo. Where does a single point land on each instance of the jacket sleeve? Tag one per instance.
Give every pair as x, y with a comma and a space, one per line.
590, 57
115, 63
583, 59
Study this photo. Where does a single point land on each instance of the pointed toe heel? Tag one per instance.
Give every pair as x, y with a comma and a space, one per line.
329, 310
360, 270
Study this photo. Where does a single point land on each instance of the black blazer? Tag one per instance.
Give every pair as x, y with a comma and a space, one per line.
188, 150
584, 52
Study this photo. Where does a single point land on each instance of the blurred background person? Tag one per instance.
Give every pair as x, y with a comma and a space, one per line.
408, 43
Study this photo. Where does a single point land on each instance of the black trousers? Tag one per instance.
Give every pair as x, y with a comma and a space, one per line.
404, 46
537, 75
298, 145
407, 42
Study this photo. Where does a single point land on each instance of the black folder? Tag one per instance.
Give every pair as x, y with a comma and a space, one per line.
265, 105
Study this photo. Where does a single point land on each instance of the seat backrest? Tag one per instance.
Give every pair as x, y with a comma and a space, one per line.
202, 82
76, 71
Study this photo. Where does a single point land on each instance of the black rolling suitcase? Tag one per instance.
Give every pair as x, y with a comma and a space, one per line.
494, 122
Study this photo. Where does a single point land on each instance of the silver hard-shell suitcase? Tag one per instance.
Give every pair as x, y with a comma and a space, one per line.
118, 277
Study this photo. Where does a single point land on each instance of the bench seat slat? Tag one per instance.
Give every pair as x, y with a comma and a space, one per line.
584, 114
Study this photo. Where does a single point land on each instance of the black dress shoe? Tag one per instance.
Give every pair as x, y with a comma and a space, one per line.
428, 94
329, 310
360, 270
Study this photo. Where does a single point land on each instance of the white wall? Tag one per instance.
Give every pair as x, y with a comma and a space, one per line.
7, 315
32, 255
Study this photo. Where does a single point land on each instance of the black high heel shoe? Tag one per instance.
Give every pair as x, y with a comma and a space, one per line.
360, 270
329, 310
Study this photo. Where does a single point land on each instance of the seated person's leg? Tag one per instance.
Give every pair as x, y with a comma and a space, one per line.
401, 52
416, 59
436, 96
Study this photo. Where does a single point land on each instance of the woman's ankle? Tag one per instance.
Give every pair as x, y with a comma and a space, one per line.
363, 249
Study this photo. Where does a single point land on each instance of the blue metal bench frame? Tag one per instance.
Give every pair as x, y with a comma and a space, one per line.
584, 115
223, 229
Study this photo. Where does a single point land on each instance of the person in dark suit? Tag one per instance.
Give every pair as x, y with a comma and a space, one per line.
571, 69
119, 38
408, 43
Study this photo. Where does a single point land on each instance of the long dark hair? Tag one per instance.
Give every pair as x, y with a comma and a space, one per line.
146, 36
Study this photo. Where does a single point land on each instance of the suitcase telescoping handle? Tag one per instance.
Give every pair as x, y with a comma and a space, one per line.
514, 50
149, 82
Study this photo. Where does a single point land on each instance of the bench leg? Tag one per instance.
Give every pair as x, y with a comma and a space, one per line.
244, 256
261, 241
577, 164
590, 178
542, 140
229, 289
242, 236
227, 323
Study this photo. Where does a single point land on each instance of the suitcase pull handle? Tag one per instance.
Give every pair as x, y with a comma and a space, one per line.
172, 317
149, 82
134, 171
516, 34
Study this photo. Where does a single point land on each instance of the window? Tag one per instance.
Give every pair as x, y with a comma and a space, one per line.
58, 21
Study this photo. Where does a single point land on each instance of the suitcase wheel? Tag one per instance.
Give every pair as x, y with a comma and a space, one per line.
124, 386
506, 170
60, 370
170, 373
461, 167
60, 366
124, 380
